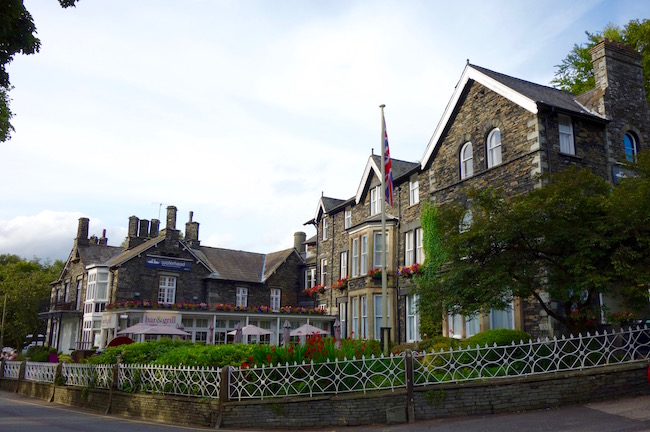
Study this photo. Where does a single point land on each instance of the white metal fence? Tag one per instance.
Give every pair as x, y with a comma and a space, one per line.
312, 379
532, 357
186, 381
356, 375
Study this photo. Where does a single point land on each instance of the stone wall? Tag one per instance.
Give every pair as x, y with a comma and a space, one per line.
376, 407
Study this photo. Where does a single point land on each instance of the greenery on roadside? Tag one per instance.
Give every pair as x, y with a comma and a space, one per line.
25, 284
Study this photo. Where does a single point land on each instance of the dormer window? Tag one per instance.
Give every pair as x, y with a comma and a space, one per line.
348, 219
493, 146
466, 161
414, 190
375, 204
566, 134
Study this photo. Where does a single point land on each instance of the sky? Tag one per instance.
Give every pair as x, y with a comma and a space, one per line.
244, 112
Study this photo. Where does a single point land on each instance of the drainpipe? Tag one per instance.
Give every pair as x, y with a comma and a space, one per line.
548, 143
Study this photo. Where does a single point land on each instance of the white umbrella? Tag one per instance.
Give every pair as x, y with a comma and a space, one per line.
134, 329
251, 330
307, 330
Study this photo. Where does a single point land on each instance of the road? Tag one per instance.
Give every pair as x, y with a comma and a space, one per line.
20, 414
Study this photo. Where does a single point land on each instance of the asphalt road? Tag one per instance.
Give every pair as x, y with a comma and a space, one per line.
22, 414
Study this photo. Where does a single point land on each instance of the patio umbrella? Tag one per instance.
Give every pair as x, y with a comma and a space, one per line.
307, 330
134, 329
251, 330
286, 333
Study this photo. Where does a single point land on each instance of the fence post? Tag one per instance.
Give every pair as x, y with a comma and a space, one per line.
57, 374
21, 375
224, 392
410, 409
2, 368
115, 370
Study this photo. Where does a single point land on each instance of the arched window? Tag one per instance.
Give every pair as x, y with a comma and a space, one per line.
493, 148
630, 146
466, 161
466, 222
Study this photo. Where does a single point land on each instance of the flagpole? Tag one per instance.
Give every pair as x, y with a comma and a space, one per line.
385, 331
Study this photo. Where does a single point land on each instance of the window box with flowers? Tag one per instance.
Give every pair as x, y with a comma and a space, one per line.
311, 292
340, 284
376, 273
618, 319
410, 271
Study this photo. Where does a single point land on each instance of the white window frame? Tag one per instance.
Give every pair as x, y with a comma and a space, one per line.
348, 219
419, 245
310, 277
343, 319
409, 248
363, 255
497, 317
412, 319
355, 317
167, 289
344, 265
242, 297
494, 148
377, 251
414, 190
325, 225
323, 271
377, 306
565, 130
466, 161
355, 257
363, 323
375, 203
275, 299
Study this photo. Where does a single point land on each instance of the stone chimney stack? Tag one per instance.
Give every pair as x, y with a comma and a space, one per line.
154, 228
299, 239
172, 235
103, 240
192, 232
132, 237
171, 218
143, 230
619, 95
82, 232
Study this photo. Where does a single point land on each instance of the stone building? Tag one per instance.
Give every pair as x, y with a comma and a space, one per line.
496, 130
159, 278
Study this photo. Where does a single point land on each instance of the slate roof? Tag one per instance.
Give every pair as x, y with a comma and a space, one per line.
274, 260
539, 93
400, 167
128, 254
97, 254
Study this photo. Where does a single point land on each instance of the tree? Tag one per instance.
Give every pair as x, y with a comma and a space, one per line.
17, 36
571, 239
26, 284
576, 74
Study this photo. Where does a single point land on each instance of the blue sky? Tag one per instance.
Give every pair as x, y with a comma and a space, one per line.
244, 112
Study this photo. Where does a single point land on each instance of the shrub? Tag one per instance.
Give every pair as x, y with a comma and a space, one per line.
499, 337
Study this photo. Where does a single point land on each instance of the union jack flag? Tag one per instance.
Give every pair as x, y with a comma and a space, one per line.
388, 170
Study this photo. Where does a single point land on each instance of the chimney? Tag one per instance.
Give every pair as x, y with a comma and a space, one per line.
143, 231
153, 228
103, 240
171, 218
299, 239
618, 72
82, 232
132, 239
192, 232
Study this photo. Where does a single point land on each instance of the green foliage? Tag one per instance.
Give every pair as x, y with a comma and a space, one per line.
500, 337
576, 75
26, 284
573, 238
38, 353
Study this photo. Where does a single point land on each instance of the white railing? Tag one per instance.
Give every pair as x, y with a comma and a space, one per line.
531, 358
40, 372
12, 369
87, 375
312, 379
186, 381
